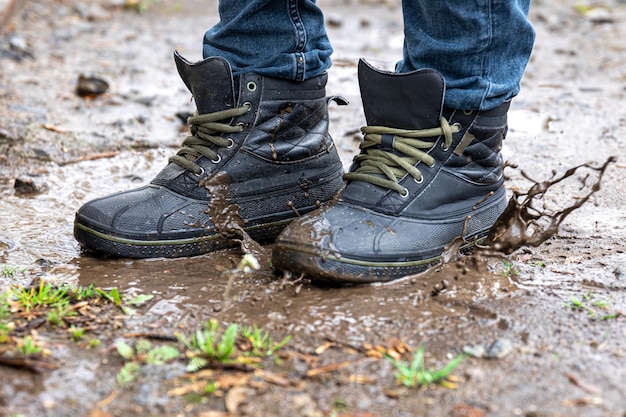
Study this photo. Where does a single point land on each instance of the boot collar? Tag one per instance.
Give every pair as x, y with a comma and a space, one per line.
411, 100
210, 82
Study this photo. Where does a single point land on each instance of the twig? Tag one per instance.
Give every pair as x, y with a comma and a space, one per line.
91, 157
153, 336
9, 11
583, 385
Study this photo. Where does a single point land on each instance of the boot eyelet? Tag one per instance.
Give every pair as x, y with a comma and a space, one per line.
231, 143
404, 193
201, 174
468, 112
248, 104
251, 86
444, 147
421, 180
218, 160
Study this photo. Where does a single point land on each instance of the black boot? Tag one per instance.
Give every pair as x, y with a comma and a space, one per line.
257, 158
422, 172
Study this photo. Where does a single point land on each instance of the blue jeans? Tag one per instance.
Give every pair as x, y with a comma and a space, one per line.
481, 47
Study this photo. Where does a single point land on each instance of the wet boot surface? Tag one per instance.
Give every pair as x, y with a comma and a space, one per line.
540, 331
269, 151
425, 175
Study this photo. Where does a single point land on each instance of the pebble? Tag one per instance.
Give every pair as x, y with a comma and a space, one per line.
90, 86
475, 351
29, 185
499, 349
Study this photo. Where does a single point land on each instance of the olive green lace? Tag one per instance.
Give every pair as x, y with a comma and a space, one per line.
373, 161
205, 131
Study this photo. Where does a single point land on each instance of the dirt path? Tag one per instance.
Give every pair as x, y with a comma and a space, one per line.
542, 307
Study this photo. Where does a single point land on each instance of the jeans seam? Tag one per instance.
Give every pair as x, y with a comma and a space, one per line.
300, 34
484, 53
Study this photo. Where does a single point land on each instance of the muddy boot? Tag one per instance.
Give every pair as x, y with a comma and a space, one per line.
253, 162
423, 173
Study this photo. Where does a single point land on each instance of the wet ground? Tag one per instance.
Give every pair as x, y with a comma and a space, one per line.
554, 360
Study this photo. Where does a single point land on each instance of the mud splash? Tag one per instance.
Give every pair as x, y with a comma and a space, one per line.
524, 223
225, 214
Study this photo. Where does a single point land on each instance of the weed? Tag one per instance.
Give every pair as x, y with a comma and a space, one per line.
93, 343
76, 333
44, 295
588, 303
128, 373
231, 345
114, 296
142, 353
210, 344
510, 269
9, 271
415, 373
27, 346
261, 341
5, 329
5, 306
161, 355
210, 388
84, 293
56, 316
141, 6
340, 405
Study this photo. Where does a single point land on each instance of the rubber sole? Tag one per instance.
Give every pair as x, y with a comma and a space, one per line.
124, 247
337, 269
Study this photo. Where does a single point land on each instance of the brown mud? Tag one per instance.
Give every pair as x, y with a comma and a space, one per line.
533, 353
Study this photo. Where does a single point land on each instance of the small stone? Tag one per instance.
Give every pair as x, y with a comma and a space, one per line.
499, 349
28, 185
89, 86
334, 21
476, 351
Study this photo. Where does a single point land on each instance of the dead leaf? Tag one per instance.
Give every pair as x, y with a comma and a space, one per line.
214, 413
464, 410
272, 378
322, 348
327, 368
227, 381
54, 128
362, 379
235, 397
103, 403
99, 413
395, 392
582, 402
195, 387
583, 385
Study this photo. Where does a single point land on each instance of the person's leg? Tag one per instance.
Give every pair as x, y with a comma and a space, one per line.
430, 167
259, 152
480, 47
285, 39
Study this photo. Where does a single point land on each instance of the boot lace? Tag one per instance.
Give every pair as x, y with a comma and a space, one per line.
385, 168
206, 131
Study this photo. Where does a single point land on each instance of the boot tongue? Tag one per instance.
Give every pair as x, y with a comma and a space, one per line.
404, 101
210, 82
409, 101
